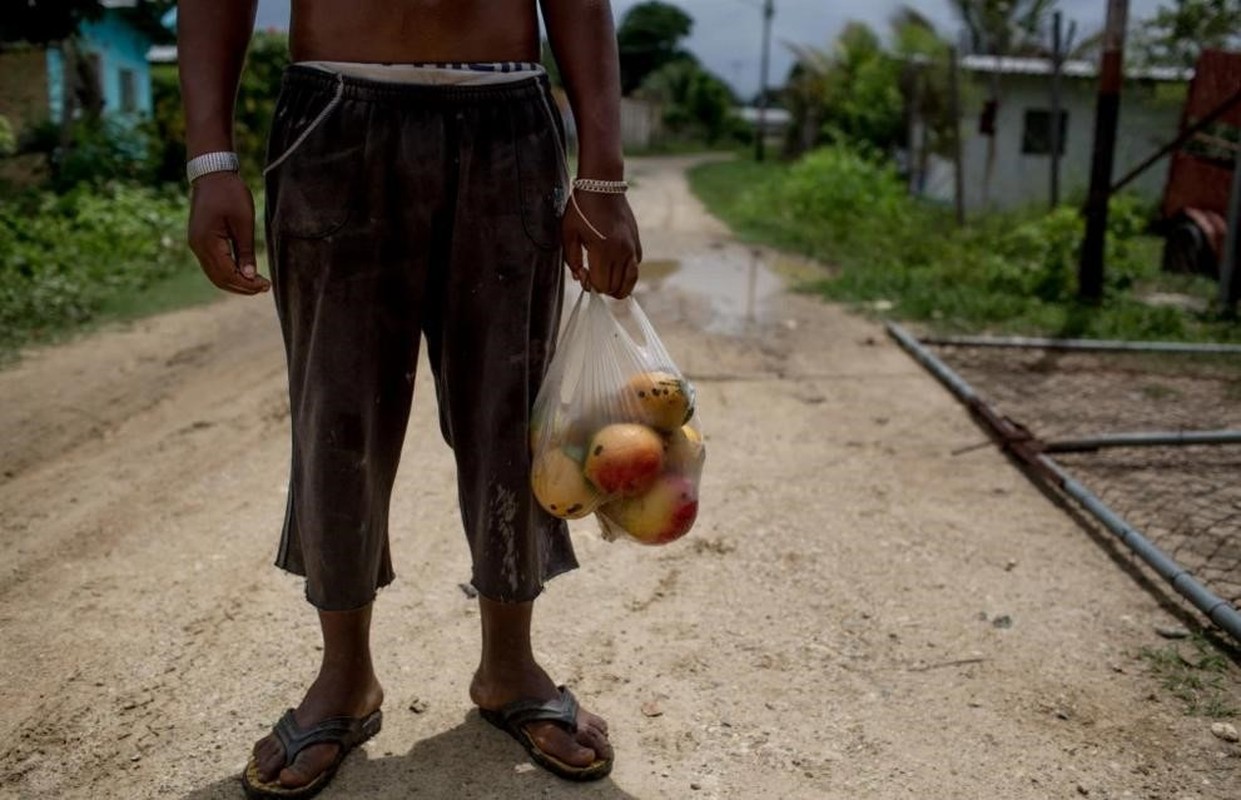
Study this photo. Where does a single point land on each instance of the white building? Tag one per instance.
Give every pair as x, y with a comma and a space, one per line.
1020, 168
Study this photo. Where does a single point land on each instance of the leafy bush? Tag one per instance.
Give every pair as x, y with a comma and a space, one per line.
62, 256
99, 150
8, 139
697, 104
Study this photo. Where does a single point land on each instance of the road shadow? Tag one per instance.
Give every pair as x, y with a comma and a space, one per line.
472, 761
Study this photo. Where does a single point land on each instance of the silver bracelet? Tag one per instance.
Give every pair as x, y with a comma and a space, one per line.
600, 187
207, 163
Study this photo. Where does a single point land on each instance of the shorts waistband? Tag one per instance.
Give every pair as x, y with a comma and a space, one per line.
361, 89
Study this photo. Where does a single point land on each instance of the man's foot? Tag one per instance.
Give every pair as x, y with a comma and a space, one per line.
329, 696
494, 687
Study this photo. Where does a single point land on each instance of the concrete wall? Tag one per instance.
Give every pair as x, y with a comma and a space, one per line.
1019, 179
641, 123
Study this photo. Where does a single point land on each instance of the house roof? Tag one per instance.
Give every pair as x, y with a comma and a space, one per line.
162, 54
1024, 65
772, 116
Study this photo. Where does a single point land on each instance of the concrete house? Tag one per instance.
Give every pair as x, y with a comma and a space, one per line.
32, 79
1020, 168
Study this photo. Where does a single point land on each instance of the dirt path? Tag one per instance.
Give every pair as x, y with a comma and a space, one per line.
829, 631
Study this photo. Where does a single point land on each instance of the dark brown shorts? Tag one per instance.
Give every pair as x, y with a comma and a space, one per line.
408, 211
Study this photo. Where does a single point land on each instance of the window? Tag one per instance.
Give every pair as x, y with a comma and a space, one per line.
1036, 135
129, 91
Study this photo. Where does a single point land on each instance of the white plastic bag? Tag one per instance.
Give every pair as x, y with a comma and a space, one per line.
614, 431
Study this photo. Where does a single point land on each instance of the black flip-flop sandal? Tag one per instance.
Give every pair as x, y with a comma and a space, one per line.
562, 710
347, 732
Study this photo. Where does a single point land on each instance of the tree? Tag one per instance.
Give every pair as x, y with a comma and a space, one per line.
256, 104
1176, 34
850, 93
1005, 27
1002, 27
649, 37
926, 89
42, 22
696, 104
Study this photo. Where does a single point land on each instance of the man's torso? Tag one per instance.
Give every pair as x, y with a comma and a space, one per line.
407, 31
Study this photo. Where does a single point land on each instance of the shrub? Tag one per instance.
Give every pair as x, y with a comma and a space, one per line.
62, 256
1011, 271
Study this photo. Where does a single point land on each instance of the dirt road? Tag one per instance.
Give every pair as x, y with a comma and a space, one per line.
859, 613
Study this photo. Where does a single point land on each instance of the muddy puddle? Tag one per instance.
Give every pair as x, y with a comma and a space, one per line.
727, 290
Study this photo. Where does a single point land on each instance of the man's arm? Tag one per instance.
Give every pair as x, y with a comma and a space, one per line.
212, 36
583, 39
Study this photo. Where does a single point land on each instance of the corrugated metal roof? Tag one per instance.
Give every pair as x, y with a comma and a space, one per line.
1025, 65
162, 54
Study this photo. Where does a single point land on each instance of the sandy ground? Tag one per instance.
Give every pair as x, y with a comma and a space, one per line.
828, 631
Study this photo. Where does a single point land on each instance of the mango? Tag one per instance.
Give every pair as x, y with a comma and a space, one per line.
664, 514
561, 488
663, 400
624, 459
685, 452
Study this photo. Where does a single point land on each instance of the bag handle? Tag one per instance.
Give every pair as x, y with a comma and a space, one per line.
645, 327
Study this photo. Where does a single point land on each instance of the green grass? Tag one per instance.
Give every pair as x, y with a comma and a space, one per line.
188, 287
1006, 273
1196, 674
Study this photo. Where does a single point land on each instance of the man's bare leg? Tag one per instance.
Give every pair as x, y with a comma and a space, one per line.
346, 686
507, 671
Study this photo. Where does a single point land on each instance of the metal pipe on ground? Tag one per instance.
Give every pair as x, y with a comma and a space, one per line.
1099, 345
1142, 439
1025, 448
1219, 611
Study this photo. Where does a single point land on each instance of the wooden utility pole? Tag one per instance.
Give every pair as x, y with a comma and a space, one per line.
1107, 113
1230, 266
954, 110
760, 133
1057, 68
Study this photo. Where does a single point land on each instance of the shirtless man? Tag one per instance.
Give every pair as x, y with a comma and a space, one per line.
416, 185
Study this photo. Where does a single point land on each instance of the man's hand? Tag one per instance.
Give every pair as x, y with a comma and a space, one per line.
221, 233
613, 261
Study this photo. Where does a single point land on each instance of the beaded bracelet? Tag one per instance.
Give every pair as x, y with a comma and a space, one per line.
600, 187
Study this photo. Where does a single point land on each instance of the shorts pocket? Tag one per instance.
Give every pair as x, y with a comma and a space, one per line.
313, 181
543, 176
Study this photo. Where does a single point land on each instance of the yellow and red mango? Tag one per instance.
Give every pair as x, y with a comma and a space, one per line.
561, 488
663, 399
624, 459
664, 514
685, 452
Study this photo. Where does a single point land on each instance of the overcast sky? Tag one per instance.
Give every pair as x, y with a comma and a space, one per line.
727, 33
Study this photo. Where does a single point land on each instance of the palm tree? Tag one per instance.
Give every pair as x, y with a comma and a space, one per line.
1005, 27
1002, 28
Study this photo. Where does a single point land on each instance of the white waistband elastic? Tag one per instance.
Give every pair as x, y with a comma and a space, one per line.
471, 74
